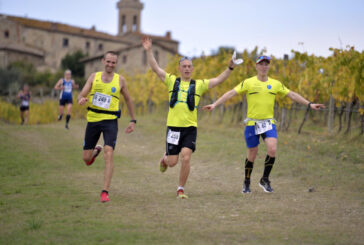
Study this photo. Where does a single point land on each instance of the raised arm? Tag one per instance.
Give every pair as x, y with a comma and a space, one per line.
223, 76
299, 99
58, 85
228, 95
147, 44
129, 104
82, 97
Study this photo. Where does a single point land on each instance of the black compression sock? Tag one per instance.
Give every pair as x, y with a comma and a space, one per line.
68, 117
105, 191
248, 168
268, 165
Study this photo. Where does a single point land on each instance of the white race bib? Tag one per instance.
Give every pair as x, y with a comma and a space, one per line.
68, 88
263, 126
101, 100
173, 137
25, 103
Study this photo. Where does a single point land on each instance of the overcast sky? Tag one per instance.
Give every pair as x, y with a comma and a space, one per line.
204, 25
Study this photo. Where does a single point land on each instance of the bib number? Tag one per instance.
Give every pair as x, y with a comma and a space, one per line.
25, 103
101, 100
173, 137
263, 126
68, 89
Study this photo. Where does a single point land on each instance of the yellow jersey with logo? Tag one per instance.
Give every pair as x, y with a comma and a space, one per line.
180, 115
260, 97
103, 97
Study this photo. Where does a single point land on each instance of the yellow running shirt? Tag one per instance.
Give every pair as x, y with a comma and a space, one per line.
180, 115
103, 96
261, 96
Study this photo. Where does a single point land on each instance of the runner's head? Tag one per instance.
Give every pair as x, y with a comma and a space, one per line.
67, 74
26, 87
185, 68
262, 65
110, 60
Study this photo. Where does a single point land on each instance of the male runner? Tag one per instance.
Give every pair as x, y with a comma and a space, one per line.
184, 97
104, 89
66, 85
261, 91
24, 95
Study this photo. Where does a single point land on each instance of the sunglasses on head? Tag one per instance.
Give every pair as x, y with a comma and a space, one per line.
185, 58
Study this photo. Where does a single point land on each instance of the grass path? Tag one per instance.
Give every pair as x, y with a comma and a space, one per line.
49, 196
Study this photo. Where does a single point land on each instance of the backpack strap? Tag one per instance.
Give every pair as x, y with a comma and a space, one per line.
174, 96
191, 95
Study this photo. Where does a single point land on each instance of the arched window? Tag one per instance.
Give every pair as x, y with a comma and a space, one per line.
100, 47
123, 24
135, 23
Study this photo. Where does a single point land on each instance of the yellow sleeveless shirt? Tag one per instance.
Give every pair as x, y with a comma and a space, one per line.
103, 97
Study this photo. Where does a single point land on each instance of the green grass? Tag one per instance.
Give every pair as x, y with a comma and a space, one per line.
48, 195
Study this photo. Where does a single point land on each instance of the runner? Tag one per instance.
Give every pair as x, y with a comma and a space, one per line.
184, 97
261, 91
66, 85
24, 95
103, 90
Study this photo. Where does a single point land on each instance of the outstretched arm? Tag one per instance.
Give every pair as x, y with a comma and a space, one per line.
147, 44
82, 97
222, 77
228, 95
129, 104
299, 99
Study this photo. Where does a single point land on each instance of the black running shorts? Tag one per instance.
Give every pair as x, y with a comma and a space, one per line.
65, 101
109, 130
24, 108
178, 137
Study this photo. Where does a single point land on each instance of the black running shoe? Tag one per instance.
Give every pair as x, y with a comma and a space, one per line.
265, 184
246, 187
60, 117
67, 126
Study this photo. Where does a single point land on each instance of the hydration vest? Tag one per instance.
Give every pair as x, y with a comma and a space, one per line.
190, 94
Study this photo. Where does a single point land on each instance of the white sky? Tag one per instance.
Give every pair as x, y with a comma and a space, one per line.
204, 25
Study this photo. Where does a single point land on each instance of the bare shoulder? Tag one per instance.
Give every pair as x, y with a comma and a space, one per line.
121, 81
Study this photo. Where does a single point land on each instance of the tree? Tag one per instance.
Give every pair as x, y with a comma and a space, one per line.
72, 62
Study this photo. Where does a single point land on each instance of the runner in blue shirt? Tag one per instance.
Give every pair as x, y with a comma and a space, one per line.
66, 85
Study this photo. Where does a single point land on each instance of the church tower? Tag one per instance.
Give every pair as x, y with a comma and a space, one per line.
129, 16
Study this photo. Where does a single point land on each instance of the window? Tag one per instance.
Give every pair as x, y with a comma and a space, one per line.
87, 45
135, 22
100, 47
6, 34
65, 42
156, 55
125, 58
123, 24
144, 57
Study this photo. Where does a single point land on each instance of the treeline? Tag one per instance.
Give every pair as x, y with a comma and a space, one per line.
336, 81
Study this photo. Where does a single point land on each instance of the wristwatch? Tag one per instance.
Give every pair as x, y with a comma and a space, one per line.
133, 121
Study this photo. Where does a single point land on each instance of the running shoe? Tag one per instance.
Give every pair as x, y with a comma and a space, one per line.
67, 126
60, 117
162, 166
246, 187
104, 197
265, 184
98, 149
181, 194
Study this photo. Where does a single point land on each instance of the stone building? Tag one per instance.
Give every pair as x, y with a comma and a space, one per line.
45, 43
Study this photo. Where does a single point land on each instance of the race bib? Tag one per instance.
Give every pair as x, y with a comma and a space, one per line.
263, 126
101, 100
173, 137
68, 88
25, 103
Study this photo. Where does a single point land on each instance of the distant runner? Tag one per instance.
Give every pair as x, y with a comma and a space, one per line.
24, 95
66, 85
184, 97
103, 90
261, 91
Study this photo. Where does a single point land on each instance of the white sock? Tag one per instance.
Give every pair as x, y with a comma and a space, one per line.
180, 188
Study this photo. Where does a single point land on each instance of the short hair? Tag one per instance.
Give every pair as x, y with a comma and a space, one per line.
185, 58
68, 70
112, 53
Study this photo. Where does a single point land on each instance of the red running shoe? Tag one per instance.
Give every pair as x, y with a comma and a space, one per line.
181, 194
104, 197
98, 149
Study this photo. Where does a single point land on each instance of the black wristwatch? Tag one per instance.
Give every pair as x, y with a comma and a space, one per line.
231, 68
133, 121
309, 105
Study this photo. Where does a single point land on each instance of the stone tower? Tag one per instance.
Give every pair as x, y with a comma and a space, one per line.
129, 16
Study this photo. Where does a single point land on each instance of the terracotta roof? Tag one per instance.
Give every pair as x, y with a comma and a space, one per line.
59, 27
126, 49
22, 49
